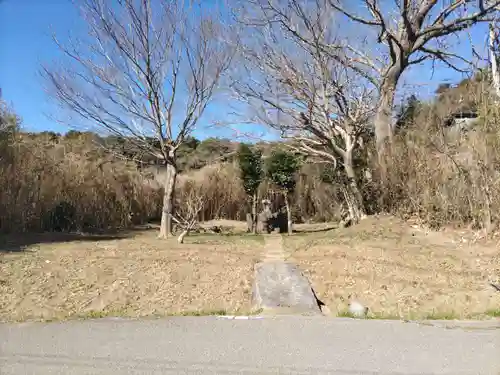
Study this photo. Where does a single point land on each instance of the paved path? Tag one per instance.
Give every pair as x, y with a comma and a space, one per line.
273, 248
279, 286
274, 345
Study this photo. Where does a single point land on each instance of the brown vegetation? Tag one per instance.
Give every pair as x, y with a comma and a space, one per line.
58, 183
400, 270
135, 82
441, 175
445, 175
330, 97
131, 275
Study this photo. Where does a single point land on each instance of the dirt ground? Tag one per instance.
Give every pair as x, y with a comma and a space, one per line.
47, 277
396, 269
400, 270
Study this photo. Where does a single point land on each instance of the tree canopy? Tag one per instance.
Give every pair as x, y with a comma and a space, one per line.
281, 168
251, 173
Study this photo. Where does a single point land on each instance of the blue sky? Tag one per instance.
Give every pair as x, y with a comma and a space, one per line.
25, 29
25, 41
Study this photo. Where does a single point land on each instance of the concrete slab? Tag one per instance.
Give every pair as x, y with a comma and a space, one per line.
281, 286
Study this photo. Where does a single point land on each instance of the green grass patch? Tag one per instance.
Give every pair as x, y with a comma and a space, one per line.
440, 315
370, 315
314, 233
221, 238
344, 314
494, 313
99, 314
200, 313
216, 313
410, 316
382, 316
348, 314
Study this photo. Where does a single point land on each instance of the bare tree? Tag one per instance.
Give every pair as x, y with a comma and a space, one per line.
319, 104
493, 52
9, 121
191, 205
146, 72
411, 31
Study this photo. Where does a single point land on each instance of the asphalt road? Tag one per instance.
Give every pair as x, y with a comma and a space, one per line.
273, 345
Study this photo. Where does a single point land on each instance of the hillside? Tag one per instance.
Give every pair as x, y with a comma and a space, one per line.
97, 183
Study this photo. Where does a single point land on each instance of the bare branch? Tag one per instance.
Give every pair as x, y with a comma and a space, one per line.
143, 62
146, 72
446, 58
301, 90
192, 203
407, 31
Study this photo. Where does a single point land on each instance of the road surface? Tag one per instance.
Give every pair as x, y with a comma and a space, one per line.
271, 345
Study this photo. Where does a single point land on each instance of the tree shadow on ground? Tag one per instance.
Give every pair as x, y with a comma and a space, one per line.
20, 242
314, 230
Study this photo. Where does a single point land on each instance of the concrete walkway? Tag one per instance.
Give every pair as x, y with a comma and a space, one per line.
273, 248
279, 286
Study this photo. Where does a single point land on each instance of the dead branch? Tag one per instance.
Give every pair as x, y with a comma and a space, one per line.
313, 99
149, 70
147, 73
191, 205
409, 32
418, 22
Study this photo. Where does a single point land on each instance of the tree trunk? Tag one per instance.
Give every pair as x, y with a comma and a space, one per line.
355, 198
383, 116
184, 233
249, 220
254, 213
288, 214
166, 225
493, 61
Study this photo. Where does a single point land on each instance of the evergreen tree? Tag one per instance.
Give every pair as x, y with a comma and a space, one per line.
281, 169
408, 112
250, 163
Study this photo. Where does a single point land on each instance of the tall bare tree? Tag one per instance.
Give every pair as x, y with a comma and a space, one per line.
411, 31
147, 71
321, 106
493, 52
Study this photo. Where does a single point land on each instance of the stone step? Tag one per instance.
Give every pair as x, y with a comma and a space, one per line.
280, 286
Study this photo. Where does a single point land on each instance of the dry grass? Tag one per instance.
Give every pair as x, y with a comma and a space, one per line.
132, 275
225, 197
400, 271
446, 176
49, 184
397, 270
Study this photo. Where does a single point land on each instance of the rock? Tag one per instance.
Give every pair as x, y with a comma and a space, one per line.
357, 310
281, 285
